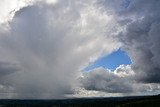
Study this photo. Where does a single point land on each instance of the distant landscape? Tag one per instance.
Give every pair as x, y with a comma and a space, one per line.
135, 101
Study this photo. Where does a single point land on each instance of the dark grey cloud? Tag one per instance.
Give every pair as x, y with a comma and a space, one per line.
121, 82
8, 68
107, 81
141, 37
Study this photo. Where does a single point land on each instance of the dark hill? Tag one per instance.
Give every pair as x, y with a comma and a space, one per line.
136, 101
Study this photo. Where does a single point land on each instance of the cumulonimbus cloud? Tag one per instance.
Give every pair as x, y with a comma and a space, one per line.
46, 45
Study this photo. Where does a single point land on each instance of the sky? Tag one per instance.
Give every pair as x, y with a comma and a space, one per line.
55, 49
111, 61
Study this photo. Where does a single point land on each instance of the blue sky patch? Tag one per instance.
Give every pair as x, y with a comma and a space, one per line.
111, 61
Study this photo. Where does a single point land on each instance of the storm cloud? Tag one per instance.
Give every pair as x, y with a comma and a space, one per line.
139, 20
141, 39
45, 46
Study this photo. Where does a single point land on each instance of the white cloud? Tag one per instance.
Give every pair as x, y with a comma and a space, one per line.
124, 71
